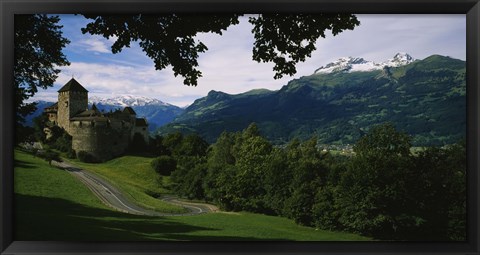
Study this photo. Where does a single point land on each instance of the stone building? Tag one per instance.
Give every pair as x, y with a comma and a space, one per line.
102, 135
51, 113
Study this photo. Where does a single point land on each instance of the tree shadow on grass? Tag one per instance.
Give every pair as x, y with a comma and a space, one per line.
54, 219
23, 164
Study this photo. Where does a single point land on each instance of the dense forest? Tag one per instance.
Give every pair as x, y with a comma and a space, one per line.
383, 190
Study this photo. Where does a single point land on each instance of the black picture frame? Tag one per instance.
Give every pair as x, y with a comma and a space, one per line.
8, 8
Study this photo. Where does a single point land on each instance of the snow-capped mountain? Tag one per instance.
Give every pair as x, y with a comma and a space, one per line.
400, 59
156, 112
127, 100
350, 64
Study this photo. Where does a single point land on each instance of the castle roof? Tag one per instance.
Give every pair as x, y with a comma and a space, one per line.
53, 105
90, 118
129, 110
51, 108
92, 114
72, 85
141, 122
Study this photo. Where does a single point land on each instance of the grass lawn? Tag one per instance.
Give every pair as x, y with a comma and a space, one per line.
51, 204
136, 179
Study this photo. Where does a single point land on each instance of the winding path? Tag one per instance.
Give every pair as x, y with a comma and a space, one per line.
114, 198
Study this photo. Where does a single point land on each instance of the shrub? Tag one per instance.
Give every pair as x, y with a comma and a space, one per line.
164, 165
71, 153
51, 155
63, 143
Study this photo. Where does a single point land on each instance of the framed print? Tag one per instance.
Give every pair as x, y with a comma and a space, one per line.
274, 127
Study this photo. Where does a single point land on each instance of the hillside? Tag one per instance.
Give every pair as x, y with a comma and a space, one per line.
425, 98
47, 198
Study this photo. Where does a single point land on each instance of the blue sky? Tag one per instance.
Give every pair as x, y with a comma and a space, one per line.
228, 66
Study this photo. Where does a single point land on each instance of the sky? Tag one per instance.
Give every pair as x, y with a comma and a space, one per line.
228, 66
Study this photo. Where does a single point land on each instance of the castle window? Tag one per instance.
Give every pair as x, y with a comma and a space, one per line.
93, 123
66, 104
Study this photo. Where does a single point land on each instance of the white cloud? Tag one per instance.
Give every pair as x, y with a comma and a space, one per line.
228, 66
95, 44
108, 80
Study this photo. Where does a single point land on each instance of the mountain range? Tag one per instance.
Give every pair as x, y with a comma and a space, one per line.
351, 64
340, 101
156, 112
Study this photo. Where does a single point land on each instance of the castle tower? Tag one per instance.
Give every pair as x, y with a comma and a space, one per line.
72, 99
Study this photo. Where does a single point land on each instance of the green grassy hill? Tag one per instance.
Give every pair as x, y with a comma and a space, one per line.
136, 179
50, 204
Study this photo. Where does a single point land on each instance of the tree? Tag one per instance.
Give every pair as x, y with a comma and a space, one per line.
157, 147
287, 40
189, 176
308, 174
39, 125
164, 165
220, 162
169, 39
372, 195
438, 192
38, 54
51, 156
277, 181
383, 141
249, 179
191, 145
172, 141
191, 166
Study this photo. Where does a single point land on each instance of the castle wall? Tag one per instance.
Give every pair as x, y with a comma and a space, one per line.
143, 131
69, 104
52, 117
102, 135
99, 139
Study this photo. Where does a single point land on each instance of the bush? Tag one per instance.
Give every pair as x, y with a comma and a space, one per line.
71, 153
86, 157
63, 143
164, 165
51, 155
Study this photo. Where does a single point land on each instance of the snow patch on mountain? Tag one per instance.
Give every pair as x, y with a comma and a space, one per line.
350, 64
127, 100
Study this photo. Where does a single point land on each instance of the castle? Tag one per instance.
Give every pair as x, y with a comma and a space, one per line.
102, 135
